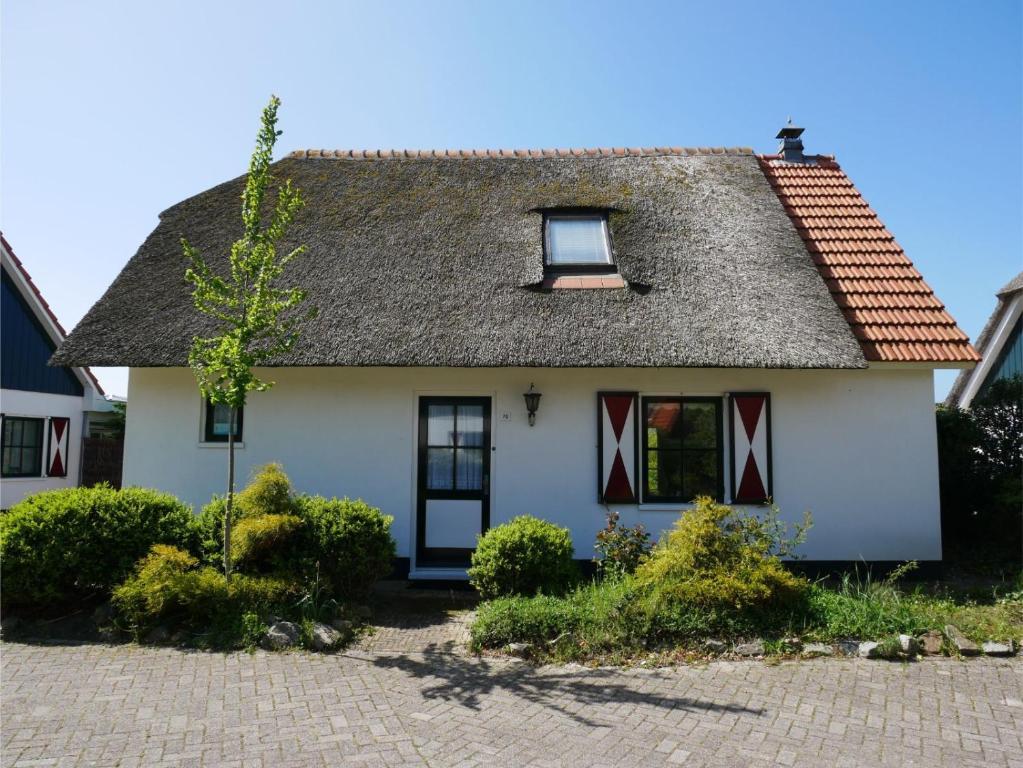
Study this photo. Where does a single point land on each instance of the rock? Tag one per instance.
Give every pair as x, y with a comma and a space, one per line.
868, 650
519, 649
909, 645
963, 644
848, 647
754, 648
715, 646
342, 625
931, 642
103, 614
791, 645
323, 637
280, 635
812, 650
991, 648
157, 635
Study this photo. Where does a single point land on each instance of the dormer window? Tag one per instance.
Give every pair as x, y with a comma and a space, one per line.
577, 242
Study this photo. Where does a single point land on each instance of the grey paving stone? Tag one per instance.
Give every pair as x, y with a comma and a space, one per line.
418, 699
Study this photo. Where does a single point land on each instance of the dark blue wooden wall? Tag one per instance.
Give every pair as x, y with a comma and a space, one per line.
25, 347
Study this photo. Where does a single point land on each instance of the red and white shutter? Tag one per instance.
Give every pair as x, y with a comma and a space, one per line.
56, 462
617, 436
751, 447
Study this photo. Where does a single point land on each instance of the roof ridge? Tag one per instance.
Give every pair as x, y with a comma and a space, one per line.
472, 154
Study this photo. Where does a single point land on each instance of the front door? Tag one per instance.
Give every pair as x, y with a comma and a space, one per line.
453, 504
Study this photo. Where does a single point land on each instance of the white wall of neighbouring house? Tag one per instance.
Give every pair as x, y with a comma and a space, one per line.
857, 449
16, 402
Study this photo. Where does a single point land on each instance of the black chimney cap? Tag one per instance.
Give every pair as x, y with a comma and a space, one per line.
790, 132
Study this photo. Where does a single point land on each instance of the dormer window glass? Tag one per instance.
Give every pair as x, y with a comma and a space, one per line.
577, 240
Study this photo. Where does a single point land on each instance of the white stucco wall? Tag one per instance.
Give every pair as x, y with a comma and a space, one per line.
856, 448
15, 402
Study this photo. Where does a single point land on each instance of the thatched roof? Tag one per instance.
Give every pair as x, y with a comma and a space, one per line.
438, 261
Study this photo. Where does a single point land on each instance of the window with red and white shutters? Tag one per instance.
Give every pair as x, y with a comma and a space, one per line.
617, 437
57, 446
751, 447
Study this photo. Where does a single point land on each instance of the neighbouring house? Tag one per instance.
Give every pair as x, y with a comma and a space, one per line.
45, 411
1000, 346
556, 332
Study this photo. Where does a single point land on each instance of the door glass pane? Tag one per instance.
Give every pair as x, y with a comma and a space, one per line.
700, 425
440, 425
439, 468
470, 425
664, 474
469, 469
663, 425
700, 474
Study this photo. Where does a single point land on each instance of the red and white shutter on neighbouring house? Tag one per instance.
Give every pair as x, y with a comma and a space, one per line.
751, 447
617, 425
56, 463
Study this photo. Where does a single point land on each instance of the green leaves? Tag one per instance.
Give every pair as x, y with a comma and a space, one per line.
255, 317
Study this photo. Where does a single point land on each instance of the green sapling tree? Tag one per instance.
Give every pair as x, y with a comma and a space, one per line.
255, 317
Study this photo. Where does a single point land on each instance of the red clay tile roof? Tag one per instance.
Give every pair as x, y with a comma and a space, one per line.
468, 154
893, 313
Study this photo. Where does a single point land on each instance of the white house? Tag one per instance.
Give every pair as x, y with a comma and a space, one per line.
695, 322
45, 409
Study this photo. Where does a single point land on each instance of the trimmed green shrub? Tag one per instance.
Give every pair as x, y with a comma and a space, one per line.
350, 540
268, 543
169, 587
524, 556
718, 558
60, 545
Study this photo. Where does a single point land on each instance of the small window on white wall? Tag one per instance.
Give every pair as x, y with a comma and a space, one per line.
218, 423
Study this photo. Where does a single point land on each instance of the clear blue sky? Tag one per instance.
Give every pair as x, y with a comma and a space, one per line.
113, 111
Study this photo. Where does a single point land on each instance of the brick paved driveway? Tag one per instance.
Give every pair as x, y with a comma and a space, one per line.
131, 706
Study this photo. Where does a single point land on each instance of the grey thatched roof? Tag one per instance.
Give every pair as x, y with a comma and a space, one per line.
437, 261
1005, 295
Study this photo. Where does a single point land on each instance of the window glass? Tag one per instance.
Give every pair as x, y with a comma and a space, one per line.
577, 240
440, 425
218, 423
22, 454
682, 449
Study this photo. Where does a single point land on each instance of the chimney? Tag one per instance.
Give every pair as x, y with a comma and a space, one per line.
791, 147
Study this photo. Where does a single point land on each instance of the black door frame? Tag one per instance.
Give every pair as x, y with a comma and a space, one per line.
450, 557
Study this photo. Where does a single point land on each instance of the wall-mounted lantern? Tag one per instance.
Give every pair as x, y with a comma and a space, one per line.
532, 398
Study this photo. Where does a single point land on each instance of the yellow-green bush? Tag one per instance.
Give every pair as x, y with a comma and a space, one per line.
716, 557
268, 493
170, 587
268, 543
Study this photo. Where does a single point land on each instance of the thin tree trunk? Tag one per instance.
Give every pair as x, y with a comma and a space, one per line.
230, 496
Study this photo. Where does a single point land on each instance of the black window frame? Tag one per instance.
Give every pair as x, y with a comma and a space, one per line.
39, 452
718, 403
208, 422
578, 268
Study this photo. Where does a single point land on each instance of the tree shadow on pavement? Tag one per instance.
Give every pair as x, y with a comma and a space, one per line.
465, 680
